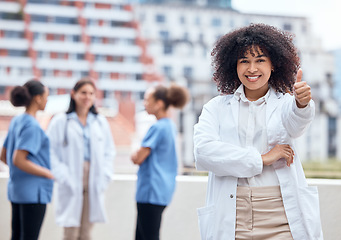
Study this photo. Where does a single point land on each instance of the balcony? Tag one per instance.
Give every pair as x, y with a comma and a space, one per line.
116, 50
133, 68
106, 14
16, 62
111, 32
59, 46
12, 7
15, 44
179, 220
11, 25
122, 85
67, 29
62, 64
51, 10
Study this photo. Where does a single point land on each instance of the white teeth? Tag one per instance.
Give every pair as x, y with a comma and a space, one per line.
253, 78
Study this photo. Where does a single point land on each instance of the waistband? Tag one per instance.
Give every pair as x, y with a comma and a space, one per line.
268, 191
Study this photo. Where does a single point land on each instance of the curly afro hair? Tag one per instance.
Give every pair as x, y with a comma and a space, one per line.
277, 45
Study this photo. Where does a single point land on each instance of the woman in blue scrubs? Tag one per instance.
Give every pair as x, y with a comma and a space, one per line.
157, 160
26, 152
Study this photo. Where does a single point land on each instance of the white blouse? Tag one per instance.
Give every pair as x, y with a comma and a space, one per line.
253, 133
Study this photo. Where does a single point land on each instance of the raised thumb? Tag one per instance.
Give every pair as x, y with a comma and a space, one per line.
299, 75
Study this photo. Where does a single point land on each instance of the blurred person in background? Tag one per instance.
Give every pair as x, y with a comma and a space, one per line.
82, 155
157, 159
26, 151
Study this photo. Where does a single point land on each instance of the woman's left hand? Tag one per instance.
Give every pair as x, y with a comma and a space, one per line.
302, 91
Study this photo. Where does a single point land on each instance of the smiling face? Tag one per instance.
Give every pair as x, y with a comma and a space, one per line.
254, 71
84, 97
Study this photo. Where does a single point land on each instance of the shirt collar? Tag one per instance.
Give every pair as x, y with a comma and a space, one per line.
89, 118
240, 95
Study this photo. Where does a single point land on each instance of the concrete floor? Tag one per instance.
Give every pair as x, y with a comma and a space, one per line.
179, 220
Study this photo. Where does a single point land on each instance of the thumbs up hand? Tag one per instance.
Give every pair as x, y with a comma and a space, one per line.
301, 91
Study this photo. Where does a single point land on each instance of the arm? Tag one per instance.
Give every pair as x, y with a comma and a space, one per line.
110, 152
55, 132
3, 155
140, 155
280, 151
20, 160
299, 111
223, 158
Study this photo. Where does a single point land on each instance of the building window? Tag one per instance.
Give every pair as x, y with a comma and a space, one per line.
2, 90
201, 37
216, 22
164, 35
38, 18
80, 56
167, 70
65, 20
287, 27
160, 18
182, 20
13, 34
186, 36
304, 29
332, 138
96, 40
17, 53
188, 72
167, 49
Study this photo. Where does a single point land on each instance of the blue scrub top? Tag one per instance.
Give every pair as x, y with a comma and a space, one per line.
25, 133
156, 175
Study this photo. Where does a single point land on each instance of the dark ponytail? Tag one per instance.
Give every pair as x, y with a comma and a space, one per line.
23, 95
174, 95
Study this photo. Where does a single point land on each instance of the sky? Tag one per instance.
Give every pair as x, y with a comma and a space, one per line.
324, 15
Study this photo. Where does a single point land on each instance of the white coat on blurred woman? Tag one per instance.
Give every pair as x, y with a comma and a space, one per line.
82, 154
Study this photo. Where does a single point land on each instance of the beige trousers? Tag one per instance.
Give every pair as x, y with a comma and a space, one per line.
84, 231
260, 214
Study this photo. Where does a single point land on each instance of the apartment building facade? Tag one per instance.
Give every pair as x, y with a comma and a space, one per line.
59, 42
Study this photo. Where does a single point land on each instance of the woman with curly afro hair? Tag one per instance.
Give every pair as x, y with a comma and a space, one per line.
245, 140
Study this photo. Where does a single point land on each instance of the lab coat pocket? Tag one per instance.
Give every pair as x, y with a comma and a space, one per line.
206, 222
65, 193
310, 210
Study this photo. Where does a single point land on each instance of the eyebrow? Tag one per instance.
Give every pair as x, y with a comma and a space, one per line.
259, 56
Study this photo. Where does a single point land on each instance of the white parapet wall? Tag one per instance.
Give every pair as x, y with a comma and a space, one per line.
179, 220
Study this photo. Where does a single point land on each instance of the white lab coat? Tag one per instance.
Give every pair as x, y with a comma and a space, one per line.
67, 161
217, 150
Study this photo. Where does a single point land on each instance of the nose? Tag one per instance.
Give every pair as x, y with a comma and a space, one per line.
252, 68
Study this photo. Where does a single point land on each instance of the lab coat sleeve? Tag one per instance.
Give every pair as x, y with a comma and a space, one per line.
55, 132
110, 153
296, 120
222, 158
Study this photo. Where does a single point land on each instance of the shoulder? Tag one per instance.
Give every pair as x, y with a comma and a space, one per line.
102, 120
59, 117
219, 101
